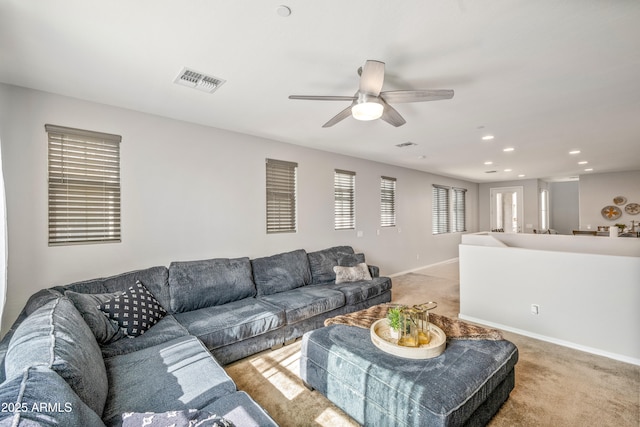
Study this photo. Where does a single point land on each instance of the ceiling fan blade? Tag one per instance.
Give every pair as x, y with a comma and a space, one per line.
391, 116
338, 117
372, 78
323, 98
398, 96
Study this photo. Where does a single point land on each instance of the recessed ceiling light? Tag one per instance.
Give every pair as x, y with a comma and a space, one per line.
521, 175
508, 170
574, 152
488, 163
588, 169
487, 137
508, 149
283, 11
584, 162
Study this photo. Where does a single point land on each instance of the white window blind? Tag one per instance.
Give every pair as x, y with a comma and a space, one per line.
440, 210
449, 210
281, 196
459, 209
84, 186
387, 202
344, 190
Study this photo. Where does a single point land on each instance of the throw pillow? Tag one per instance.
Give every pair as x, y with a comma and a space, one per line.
105, 330
352, 274
136, 310
187, 418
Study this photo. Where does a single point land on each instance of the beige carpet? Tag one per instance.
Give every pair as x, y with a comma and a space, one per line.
555, 386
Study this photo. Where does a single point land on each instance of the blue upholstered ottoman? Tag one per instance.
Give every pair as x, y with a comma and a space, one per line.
464, 386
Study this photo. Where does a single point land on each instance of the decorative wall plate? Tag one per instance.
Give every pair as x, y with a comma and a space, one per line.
619, 200
632, 209
611, 212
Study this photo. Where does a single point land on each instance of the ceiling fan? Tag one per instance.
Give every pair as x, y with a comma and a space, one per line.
369, 103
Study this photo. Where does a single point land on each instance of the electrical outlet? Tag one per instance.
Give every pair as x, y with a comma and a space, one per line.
535, 309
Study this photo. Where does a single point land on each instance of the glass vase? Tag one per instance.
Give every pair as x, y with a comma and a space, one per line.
422, 321
409, 328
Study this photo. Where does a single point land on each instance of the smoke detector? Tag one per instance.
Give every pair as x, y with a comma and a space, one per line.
198, 80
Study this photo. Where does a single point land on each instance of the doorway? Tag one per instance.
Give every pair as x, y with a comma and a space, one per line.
507, 212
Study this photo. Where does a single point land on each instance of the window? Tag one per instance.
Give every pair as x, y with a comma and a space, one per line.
544, 209
459, 209
84, 186
448, 209
440, 210
387, 202
281, 196
344, 207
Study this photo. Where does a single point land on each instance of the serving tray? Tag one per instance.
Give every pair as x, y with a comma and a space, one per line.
381, 338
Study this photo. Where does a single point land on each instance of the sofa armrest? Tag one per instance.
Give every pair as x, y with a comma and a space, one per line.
374, 271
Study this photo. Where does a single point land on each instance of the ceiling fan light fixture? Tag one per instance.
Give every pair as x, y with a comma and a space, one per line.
367, 111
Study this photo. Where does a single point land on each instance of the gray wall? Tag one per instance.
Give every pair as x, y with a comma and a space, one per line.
564, 204
194, 192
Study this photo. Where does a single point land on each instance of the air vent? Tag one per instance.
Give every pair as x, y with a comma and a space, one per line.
406, 144
199, 81
490, 171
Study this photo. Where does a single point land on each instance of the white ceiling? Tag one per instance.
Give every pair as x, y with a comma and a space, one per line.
544, 77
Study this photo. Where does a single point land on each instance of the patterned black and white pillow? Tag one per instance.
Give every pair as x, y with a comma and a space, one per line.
136, 310
186, 418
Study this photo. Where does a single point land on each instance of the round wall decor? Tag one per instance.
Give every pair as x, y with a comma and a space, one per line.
611, 212
619, 200
632, 209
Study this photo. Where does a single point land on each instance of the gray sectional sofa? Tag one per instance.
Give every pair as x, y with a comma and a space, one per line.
64, 362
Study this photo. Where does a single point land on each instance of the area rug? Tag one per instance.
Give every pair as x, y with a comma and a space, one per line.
452, 328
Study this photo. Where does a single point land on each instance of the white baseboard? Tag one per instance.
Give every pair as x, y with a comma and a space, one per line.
596, 351
448, 261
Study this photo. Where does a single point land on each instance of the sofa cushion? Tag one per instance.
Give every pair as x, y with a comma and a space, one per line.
165, 330
357, 292
176, 375
39, 299
56, 337
281, 272
136, 310
351, 260
40, 397
206, 283
352, 274
322, 262
302, 303
242, 410
236, 321
154, 279
104, 329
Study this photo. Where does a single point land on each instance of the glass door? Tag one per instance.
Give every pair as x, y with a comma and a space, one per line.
506, 209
